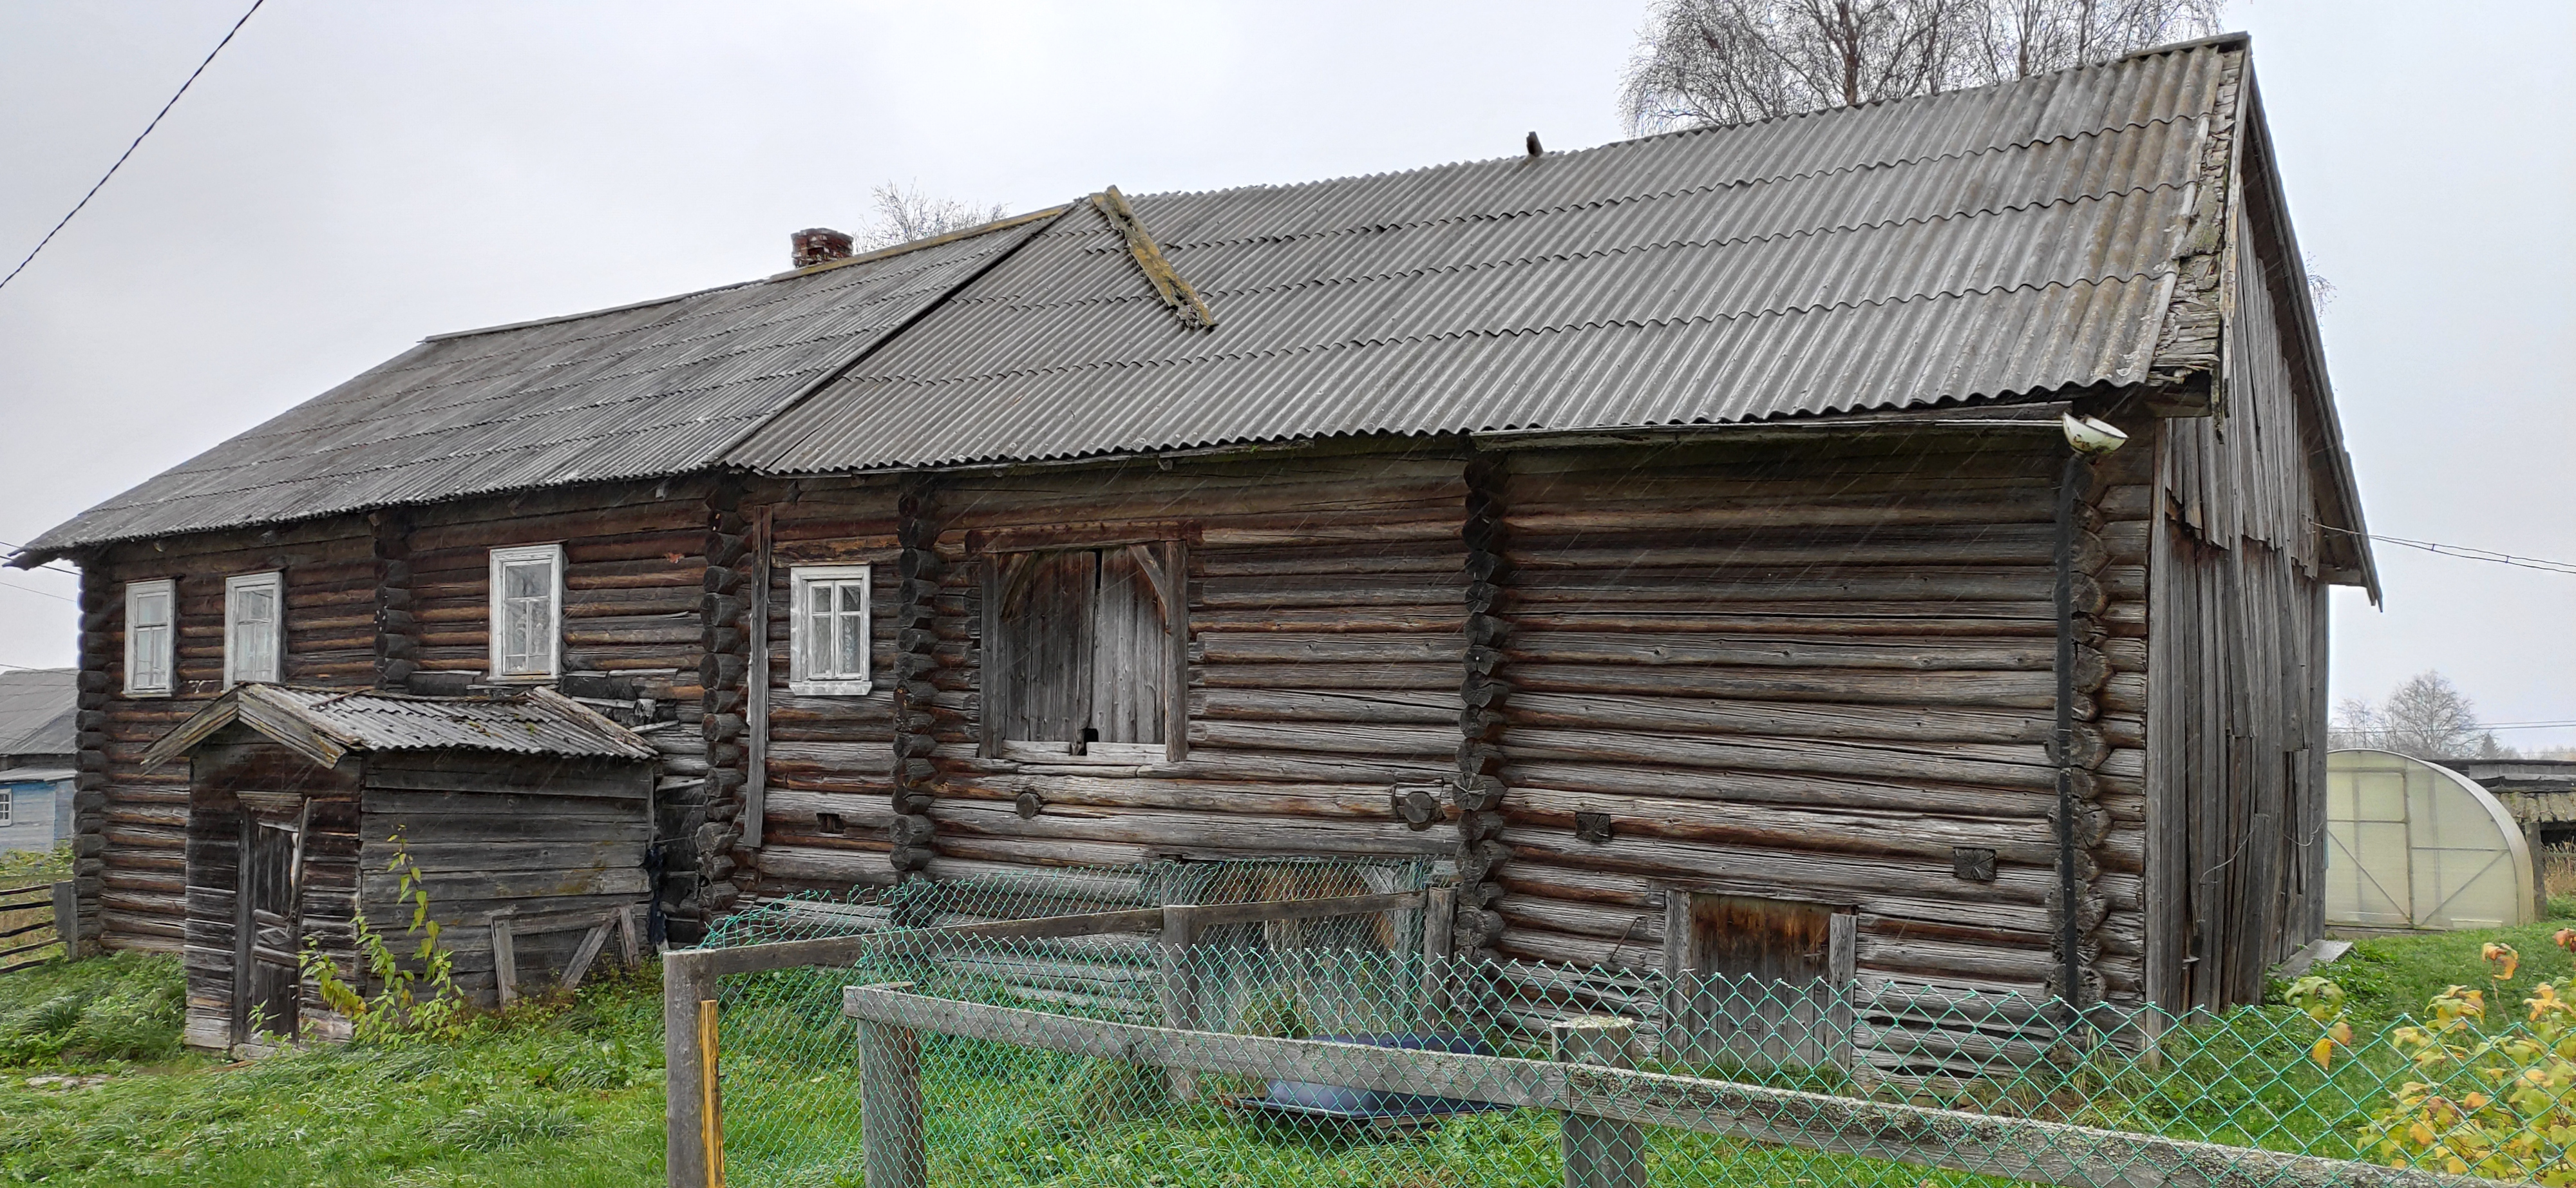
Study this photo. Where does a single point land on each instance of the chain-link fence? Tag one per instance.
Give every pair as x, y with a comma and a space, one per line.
1217, 1024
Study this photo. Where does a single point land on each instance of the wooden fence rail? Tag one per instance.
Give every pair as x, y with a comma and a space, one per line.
1588, 1090
55, 901
690, 977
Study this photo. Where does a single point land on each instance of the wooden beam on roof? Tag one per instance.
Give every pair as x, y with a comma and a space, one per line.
1176, 293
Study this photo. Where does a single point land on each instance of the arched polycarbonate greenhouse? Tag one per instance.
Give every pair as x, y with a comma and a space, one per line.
2416, 846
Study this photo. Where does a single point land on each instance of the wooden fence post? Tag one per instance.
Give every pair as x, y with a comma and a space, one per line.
505, 959
1599, 1153
710, 1100
1180, 986
685, 983
890, 1140
67, 919
1439, 905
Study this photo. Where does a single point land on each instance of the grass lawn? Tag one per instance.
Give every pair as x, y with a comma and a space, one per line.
564, 1094
95, 1090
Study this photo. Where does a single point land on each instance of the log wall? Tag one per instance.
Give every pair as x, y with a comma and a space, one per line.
141, 818
1807, 672
395, 601
1325, 595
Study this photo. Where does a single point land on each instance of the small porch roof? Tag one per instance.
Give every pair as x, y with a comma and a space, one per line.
325, 724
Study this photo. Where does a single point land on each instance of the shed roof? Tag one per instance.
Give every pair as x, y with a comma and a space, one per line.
2004, 241
37, 709
656, 388
325, 724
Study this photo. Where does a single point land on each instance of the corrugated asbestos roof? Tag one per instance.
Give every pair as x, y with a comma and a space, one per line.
1989, 243
644, 390
37, 708
2007, 241
326, 723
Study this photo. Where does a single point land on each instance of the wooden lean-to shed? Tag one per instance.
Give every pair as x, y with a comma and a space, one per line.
528, 814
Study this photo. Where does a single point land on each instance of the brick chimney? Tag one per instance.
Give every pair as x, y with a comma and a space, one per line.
819, 245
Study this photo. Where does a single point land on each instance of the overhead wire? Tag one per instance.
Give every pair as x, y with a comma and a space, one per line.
138, 143
2463, 552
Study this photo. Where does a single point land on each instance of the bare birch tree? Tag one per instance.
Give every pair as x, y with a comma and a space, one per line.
904, 214
1734, 61
2426, 716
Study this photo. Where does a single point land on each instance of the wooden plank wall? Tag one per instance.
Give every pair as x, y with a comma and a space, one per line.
2237, 668
142, 817
1325, 594
238, 759
575, 832
1805, 672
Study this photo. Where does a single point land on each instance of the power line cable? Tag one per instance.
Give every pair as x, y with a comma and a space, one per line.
2463, 552
138, 143
41, 593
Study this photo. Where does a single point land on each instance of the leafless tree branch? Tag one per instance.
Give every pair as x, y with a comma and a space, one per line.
1735, 61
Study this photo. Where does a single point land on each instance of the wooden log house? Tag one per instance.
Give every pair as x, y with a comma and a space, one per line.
1681, 531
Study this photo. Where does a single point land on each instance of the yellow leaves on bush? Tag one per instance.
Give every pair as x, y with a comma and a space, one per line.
2498, 1098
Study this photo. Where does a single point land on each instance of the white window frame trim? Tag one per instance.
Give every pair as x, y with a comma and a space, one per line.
799, 578
275, 581
8, 803
496, 608
168, 588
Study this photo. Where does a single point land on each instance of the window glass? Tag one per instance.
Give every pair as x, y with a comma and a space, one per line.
829, 645
525, 620
251, 627
148, 607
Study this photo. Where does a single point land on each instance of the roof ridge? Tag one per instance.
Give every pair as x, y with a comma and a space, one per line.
1001, 224
2220, 41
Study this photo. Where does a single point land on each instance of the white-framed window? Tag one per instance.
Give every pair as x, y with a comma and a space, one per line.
151, 609
254, 627
827, 650
527, 612
6, 795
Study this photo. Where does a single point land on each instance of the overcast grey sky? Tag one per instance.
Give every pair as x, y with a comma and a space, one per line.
351, 176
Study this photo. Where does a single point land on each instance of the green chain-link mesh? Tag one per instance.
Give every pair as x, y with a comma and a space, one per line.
1000, 1112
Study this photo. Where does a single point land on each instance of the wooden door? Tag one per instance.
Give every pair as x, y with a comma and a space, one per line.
266, 978
1758, 982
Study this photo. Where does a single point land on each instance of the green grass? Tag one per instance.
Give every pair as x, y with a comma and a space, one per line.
2390, 976
570, 1094
558, 1094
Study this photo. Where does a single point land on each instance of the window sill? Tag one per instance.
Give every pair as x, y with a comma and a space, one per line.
528, 678
146, 694
1094, 755
831, 688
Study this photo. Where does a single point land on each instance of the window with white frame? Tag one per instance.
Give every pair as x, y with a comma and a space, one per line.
527, 612
827, 631
6, 795
254, 626
150, 609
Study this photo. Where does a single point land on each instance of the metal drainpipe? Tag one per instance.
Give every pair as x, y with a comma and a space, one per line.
2069, 927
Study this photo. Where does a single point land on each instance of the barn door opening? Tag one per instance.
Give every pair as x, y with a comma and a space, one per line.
266, 980
1758, 982
1082, 662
